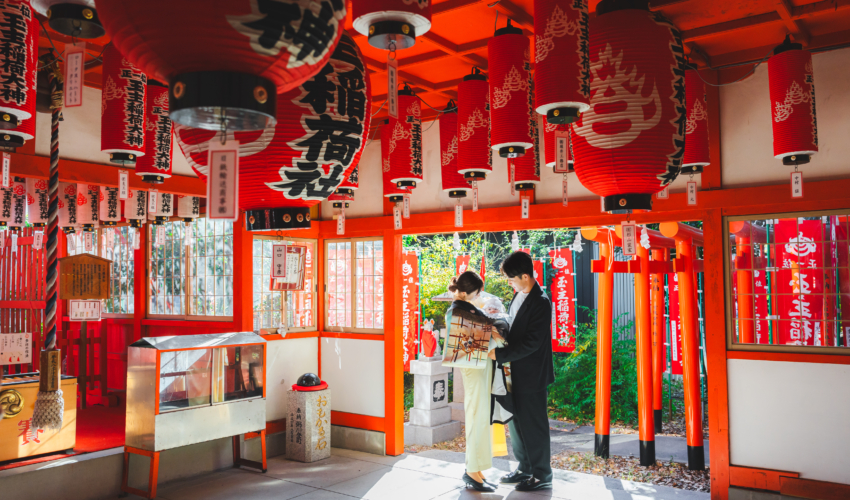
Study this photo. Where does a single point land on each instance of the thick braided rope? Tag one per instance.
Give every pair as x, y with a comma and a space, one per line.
52, 222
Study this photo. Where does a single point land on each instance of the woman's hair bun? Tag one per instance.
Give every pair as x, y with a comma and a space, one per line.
453, 285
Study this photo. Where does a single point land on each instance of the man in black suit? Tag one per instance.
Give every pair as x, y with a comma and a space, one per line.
529, 351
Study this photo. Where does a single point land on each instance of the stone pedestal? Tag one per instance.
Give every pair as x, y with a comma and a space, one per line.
430, 418
456, 405
308, 427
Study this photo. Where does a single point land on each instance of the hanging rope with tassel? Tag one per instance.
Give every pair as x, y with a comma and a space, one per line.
49, 405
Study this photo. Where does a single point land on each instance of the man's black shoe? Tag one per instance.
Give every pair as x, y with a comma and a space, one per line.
533, 484
515, 477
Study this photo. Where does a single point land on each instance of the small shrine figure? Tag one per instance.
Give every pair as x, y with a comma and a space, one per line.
430, 340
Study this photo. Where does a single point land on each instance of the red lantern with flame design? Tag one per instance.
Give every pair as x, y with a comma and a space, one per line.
630, 143
155, 166
88, 198
18, 204
388, 22
549, 140
473, 127
792, 104
406, 141
696, 126
509, 86
225, 57
561, 62
391, 190
122, 113
38, 201
453, 182
18, 66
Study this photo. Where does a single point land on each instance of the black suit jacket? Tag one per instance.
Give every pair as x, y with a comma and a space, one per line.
529, 349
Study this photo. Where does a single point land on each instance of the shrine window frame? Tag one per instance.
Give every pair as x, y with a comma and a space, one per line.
263, 279
352, 288
730, 300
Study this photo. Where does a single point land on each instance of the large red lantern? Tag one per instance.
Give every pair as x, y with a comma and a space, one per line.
391, 189
225, 60
549, 140
509, 87
453, 182
792, 104
474, 156
122, 113
68, 207
390, 23
561, 62
77, 18
406, 141
696, 126
37, 201
629, 144
155, 166
18, 66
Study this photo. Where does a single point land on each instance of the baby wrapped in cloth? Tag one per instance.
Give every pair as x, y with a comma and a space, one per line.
501, 407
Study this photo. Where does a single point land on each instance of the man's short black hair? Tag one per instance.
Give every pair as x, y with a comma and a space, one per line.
517, 264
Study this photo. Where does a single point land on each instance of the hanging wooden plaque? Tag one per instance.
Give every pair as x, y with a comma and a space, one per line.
84, 277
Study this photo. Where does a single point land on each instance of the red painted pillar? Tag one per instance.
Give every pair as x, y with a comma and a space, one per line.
659, 361
744, 266
643, 342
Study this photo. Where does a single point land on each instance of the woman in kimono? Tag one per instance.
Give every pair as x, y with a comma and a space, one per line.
477, 384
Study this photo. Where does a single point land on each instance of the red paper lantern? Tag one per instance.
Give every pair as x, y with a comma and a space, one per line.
406, 141
37, 201
391, 189
792, 98
87, 204
696, 126
524, 171
561, 62
388, 21
509, 91
136, 207
109, 206
68, 207
629, 144
549, 130
188, 207
453, 182
18, 64
225, 58
155, 166
474, 156
18, 136
122, 113
76, 18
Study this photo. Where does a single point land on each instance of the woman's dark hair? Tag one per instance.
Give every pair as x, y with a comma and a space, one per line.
467, 282
517, 264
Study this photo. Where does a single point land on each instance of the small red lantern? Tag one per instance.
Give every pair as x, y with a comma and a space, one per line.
68, 207
87, 204
225, 59
38, 201
549, 140
630, 143
188, 207
391, 190
122, 113
509, 90
109, 206
406, 141
77, 18
792, 98
18, 65
696, 126
392, 22
473, 132
453, 182
524, 171
155, 166
561, 62
136, 207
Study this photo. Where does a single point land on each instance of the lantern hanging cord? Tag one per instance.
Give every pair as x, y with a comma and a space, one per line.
98, 58
379, 109
748, 73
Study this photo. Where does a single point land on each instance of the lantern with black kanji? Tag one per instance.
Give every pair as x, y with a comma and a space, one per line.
631, 141
510, 133
77, 18
696, 126
453, 182
18, 64
474, 156
406, 141
38, 201
392, 23
390, 189
5, 206
225, 60
351, 183
87, 206
136, 207
19, 204
164, 208
155, 166
792, 104
109, 206
188, 207
551, 133
561, 62
122, 112
68, 207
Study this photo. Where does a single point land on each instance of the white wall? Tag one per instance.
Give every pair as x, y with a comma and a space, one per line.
286, 361
354, 371
747, 137
791, 417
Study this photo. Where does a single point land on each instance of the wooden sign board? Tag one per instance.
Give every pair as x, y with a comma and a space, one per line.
84, 277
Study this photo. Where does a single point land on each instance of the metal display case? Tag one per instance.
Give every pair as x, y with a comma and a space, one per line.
184, 390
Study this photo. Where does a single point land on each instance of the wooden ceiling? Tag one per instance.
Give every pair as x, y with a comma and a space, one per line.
717, 34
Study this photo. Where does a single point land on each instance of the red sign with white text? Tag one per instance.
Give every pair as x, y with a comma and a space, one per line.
800, 283
675, 324
409, 306
462, 264
563, 301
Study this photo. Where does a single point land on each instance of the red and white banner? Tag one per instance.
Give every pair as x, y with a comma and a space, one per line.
410, 305
563, 301
800, 283
675, 323
461, 264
